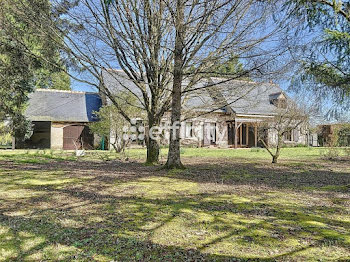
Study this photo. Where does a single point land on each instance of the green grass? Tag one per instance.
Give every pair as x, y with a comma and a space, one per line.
228, 205
254, 153
293, 153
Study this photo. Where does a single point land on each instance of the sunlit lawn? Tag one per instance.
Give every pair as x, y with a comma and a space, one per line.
228, 205
296, 153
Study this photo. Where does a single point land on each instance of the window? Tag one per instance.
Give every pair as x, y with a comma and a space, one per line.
280, 103
212, 133
188, 130
287, 136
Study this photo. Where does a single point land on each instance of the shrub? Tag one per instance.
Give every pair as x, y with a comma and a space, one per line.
5, 139
331, 153
347, 151
343, 135
104, 157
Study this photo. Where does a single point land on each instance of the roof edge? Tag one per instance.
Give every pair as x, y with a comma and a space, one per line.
64, 91
245, 81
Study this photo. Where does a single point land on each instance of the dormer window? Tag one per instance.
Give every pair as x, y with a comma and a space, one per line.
278, 99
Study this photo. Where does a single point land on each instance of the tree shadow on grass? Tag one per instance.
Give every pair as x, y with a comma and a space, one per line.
288, 175
93, 242
107, 223
296, 175
108, 237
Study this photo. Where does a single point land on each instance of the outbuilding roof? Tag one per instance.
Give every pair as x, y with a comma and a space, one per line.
63, 106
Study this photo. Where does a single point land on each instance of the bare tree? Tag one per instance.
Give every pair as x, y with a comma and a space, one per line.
288, 117
159, 45
207, 31
135, 36
113, 125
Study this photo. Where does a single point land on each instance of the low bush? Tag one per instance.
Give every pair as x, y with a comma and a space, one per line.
331, 153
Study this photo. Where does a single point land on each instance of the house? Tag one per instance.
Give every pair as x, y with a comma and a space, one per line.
228, 114
60, 119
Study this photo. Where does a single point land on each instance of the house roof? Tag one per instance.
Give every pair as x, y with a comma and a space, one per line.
116, 80
240, 97
62, 106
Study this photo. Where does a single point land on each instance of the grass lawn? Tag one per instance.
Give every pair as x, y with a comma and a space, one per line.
228, 205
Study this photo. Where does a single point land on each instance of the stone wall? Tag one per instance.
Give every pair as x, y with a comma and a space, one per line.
198, 130
299, 137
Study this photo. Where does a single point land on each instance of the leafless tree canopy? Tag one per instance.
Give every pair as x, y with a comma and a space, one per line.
289, 116
139, 36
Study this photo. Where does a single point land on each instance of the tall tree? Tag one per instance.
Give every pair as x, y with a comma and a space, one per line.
20, 68
205, 33
325, 58
159, 45
229, 66
174, 160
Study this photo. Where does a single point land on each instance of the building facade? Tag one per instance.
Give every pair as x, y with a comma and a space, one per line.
60, 119
232, 113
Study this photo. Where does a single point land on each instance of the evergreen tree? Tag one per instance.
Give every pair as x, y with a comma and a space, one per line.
22, 68
230, 67
326, 63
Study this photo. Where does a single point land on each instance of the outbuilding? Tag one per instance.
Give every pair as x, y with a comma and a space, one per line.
60, 119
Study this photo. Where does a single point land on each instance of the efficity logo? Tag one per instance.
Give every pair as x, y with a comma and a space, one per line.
200, 131
134, 131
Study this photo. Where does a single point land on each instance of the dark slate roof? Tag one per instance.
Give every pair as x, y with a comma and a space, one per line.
65, 106
241, 97
253, 98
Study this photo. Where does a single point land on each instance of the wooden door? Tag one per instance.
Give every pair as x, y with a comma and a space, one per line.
72, 137
77, 137
231, 133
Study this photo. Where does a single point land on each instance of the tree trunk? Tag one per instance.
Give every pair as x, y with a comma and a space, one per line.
152, 144
274, 159
152, 152
174, 160
278, 150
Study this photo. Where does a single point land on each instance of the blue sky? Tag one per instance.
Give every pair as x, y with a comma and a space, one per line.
78, 86
284, 81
